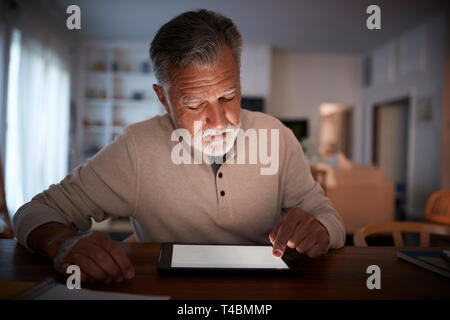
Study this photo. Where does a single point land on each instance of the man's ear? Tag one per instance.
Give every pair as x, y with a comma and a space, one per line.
161, 96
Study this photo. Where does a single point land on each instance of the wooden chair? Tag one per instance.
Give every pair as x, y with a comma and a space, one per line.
320, 175
438, 207
130, 239
397, 228
6, 233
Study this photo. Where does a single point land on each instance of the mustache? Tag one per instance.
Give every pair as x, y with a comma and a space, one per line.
210, 132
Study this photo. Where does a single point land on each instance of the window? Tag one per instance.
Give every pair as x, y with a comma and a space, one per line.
37, 118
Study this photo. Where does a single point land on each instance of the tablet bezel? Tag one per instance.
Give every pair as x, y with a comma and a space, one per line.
164, 266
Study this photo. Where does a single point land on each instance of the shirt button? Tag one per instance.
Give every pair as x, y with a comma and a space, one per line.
220, 175
222, 193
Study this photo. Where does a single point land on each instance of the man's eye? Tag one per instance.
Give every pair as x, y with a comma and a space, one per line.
226, 99
198, 107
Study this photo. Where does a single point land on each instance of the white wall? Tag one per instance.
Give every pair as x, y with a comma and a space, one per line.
256, 62
302, 81
392, 141
412, 66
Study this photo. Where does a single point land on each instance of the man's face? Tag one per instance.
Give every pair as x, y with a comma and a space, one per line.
210, 95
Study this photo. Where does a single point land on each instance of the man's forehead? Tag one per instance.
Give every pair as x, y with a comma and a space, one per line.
197, 77
190, 97
202, 84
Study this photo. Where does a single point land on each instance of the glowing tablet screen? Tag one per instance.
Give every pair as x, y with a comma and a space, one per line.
225, 256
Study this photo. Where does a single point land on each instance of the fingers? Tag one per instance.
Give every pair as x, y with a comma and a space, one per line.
103, 259
306, 244
117, 254
315, 244
300, 230
98, 257
86, 278
315, 251
70, 259
89, 267
96, 263
285, 232
306, 227
274, 233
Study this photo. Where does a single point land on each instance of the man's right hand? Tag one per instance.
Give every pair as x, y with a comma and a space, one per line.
98, 257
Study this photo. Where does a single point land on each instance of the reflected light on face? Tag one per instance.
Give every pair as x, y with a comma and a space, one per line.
209, 95
217, 142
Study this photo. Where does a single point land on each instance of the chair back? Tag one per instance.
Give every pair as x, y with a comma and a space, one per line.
130, 239
438, 207
397, 228
320, 175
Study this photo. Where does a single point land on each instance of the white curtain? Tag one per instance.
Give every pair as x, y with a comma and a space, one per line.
37, 137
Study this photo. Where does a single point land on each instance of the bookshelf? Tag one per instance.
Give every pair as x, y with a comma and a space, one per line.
114, 90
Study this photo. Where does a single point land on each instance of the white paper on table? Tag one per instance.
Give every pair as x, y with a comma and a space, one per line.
61, 292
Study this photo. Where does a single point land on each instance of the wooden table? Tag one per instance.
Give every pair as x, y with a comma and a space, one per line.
340, 274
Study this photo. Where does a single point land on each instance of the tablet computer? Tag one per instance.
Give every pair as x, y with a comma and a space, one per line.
177, 258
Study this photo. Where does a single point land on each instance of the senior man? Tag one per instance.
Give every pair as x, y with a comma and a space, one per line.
196, 60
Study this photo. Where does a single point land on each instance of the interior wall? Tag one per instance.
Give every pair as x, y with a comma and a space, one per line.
256, 70
302, 81
445, 171
411, 66
392, 141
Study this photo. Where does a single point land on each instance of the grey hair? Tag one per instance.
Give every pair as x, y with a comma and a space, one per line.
193, 37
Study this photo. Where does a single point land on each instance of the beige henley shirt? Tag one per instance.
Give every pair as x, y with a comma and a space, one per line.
135, 177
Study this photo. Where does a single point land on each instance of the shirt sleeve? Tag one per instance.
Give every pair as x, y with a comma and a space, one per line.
301, 190
105, 186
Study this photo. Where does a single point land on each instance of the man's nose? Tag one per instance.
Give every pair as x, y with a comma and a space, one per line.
215, 117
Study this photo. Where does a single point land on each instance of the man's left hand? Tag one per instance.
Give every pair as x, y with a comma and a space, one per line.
302, 231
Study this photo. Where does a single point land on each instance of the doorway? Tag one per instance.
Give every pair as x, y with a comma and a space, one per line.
336, 130
390, 147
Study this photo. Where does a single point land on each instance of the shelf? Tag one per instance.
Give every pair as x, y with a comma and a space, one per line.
92, 73
132, 101
107, 94
97, 100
